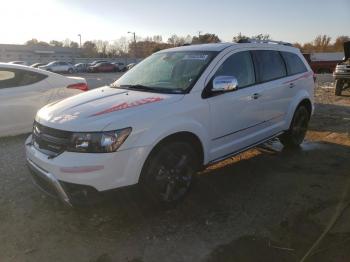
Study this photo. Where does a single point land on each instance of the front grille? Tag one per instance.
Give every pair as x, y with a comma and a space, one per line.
49, 140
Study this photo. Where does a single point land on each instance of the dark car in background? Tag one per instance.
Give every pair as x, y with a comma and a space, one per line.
81, 67
97, 62
103, 67
121, 67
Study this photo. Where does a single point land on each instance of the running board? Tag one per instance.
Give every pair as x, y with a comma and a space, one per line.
242, 150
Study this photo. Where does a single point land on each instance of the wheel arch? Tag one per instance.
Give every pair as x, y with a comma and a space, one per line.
307, 103
303, 98
183, 136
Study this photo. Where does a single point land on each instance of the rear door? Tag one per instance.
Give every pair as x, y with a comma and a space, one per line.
22, 93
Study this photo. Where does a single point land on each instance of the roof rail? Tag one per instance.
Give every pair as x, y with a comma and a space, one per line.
254, 40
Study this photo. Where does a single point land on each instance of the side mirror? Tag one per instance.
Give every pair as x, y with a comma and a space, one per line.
224, 84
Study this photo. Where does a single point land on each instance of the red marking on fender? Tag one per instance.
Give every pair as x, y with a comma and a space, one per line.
126, 105
81, 169
306, 75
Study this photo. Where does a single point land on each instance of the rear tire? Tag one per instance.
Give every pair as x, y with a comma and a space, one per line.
168, 172
295, 135
339, 87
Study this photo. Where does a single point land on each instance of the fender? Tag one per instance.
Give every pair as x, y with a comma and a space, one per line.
175, 125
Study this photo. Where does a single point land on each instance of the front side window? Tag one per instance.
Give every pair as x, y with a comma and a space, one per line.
239, 65
169, 72
10, 77
269, 65
293, 63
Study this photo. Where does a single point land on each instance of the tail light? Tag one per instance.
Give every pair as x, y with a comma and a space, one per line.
80, 86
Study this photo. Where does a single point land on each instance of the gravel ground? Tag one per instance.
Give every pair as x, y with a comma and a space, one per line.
267, 204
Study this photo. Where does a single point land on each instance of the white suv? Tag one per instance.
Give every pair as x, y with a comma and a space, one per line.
172, 114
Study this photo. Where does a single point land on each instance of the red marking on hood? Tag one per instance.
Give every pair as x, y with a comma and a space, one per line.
306, 75
127, 105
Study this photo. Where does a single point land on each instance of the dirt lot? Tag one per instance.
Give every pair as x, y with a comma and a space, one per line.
267, 204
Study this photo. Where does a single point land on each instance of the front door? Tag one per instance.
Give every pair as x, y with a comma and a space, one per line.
237, 116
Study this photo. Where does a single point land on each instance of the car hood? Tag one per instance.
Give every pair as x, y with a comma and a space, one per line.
98, 108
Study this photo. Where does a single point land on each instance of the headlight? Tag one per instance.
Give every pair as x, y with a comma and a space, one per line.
98, 142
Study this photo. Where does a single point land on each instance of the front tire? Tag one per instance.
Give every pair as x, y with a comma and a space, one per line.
338, 87
168, 172
295, 135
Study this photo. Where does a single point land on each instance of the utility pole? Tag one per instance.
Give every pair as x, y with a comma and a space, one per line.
134, 43
79, 40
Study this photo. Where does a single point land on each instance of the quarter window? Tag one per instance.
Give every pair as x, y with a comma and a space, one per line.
11, 77
239, 65
269, 65
294, 64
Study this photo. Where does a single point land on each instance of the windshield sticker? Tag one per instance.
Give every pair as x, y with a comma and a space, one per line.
195, 57
127, 105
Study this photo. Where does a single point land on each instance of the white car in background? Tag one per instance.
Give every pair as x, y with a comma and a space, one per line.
24, 90
58, 66
19, 63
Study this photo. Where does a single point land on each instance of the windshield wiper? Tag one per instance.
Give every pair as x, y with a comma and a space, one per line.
147, 88
140, 87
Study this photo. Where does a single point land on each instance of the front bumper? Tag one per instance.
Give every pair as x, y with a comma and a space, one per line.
99, 172
48, 182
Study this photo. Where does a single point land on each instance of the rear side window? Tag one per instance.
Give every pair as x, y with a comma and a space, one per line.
269, 65
294, 64
10, 77
239, 65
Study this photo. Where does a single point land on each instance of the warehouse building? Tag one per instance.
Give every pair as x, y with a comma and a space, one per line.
37, 54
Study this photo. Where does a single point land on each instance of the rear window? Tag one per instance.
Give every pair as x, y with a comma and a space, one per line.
294, 64
11, 77
269, 65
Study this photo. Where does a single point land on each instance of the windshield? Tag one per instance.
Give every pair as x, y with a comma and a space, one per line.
172, 72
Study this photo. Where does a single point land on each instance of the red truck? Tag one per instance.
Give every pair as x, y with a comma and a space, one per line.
322, 63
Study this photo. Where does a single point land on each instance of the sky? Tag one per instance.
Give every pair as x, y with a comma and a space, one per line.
287, 20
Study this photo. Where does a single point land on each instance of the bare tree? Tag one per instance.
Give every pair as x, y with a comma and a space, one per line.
32, 41
206, 38
339, 41
56, 43
322, 43
73, 45
89, 49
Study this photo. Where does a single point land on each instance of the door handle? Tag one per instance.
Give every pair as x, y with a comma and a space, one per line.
256, 96
291, 85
